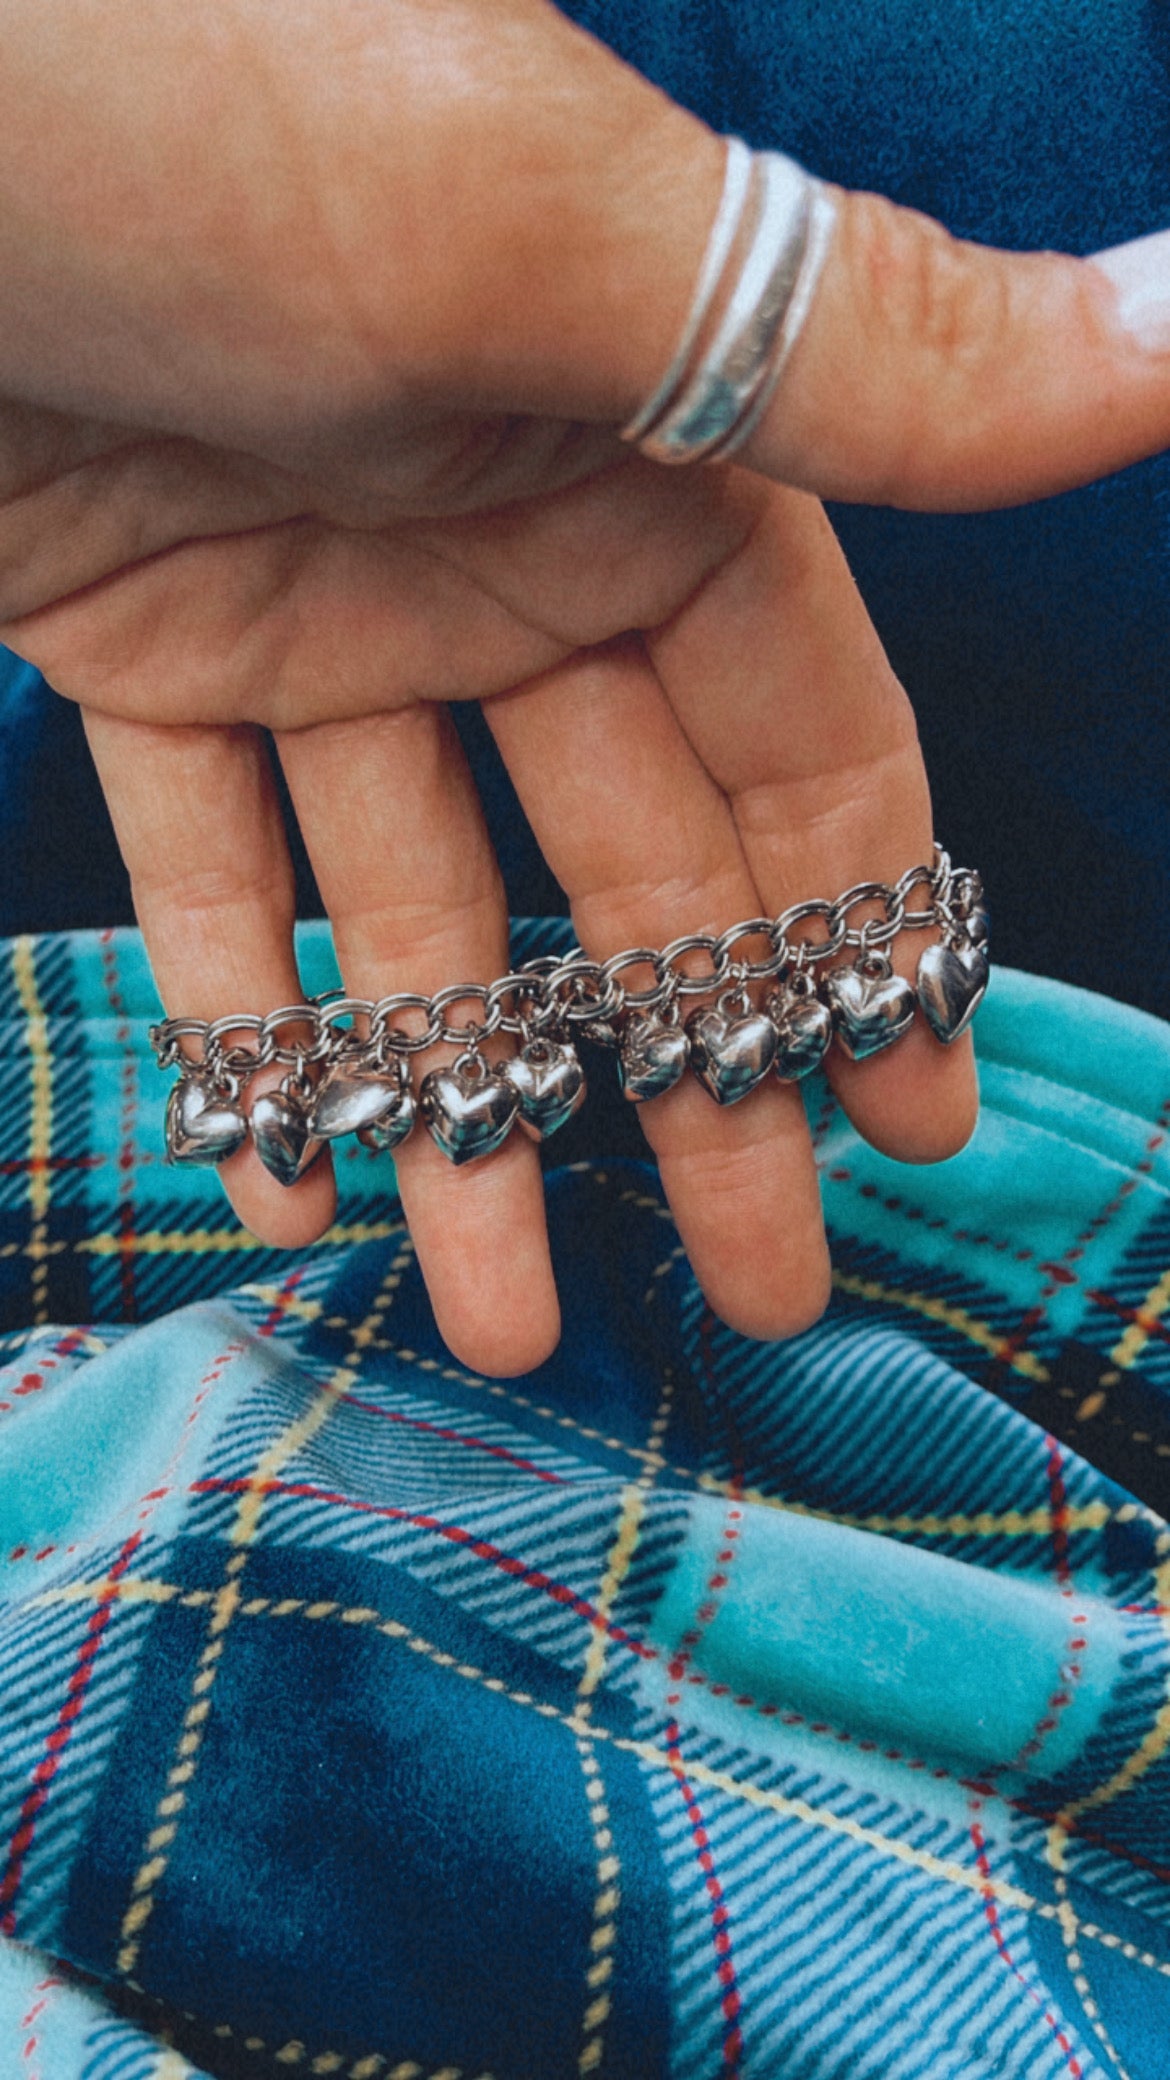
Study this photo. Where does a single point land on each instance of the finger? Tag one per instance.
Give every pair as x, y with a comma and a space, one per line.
644, 844
389, 813
198, 823
779, 681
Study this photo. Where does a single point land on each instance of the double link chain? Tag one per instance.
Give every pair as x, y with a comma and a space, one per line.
348, 1057
564, 991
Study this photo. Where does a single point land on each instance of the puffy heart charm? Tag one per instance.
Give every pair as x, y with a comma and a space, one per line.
731, 1052
652, 1057
872, 1007
603, 1032
281, 1137
203, 1125
468, 1108
349, 1100
549, 1083
804, 1028
952, 982
391, 1130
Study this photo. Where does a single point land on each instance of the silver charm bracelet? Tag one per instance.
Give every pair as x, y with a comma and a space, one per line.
348, 1058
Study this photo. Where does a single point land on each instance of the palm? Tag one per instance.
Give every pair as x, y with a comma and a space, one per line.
165, 580
197, 592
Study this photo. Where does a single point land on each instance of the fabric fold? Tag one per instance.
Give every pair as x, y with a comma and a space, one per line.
690, 1706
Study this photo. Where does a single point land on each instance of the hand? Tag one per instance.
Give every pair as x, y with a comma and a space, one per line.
326, 439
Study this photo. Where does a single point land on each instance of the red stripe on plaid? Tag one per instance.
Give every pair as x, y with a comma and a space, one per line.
990, 1909
129, 1114
478, 1444
1060, 1274
45, 1989
32, 1382
1136, 1316
730, 2001
285, 1292
692, 1638
935, 1223
1057, 1703
58, 1739
32, 1166
1071, 1670
532, 1577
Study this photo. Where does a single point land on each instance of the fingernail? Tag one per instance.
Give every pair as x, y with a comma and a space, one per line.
1140, 273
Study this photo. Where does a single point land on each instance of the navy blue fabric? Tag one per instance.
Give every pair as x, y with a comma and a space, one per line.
58, 858
1033, 643
325, 1716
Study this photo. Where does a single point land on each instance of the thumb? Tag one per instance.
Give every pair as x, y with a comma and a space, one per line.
941, 375
930, 373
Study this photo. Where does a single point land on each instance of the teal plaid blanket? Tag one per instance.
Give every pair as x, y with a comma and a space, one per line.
691, 1707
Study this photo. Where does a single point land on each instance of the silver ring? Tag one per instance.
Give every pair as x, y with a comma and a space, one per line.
737, 175
713, 396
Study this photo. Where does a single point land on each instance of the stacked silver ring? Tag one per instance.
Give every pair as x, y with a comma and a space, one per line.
763, 260
348, 1059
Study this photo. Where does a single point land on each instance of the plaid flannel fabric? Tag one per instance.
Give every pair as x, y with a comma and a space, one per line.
691, 1707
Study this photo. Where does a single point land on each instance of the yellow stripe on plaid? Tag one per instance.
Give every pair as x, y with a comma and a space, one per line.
197, 1242
200, 1242
632, 1503
927, 1305
131, 1589
1056, 1845
932, 1309
225, 1604
1156, 1741
1127, 1352
966, 1877
1012, 1523
631, 1510
1008, 1523
40, 1127
643, 1199
605, 1905
295, 2056
661, 1272
292, 1307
